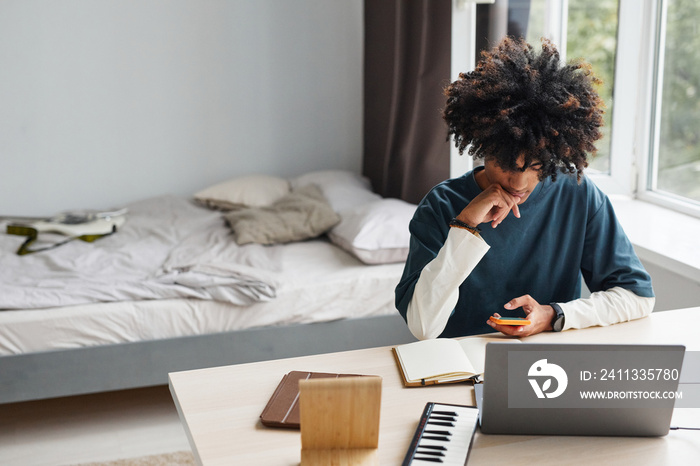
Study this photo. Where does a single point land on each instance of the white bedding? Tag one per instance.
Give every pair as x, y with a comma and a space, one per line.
317, 282
168, 248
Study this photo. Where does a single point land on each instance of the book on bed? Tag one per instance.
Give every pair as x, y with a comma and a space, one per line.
442, 360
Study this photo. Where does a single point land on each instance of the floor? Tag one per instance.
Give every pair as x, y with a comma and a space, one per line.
90, 428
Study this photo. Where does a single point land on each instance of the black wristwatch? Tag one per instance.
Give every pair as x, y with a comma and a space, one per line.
558, 320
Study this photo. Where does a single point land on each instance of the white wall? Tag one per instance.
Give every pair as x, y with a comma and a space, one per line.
673, 290
103, 102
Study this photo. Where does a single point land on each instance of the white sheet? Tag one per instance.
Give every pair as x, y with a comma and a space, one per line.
318, 282
168, 248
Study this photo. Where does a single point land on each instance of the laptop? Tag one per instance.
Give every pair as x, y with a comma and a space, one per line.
579, 389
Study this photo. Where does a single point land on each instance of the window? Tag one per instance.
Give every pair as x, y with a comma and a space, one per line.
580, 29
587, 30
674, 165
592, 35
647, 52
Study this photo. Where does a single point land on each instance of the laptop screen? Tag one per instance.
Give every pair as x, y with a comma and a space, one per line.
577, 389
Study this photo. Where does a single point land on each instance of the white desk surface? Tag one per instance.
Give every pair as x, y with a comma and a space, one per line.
220, 407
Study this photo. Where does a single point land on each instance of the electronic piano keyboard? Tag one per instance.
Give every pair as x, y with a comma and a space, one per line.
444, 435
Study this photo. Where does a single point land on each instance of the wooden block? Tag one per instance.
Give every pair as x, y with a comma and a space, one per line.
347, 457
340, 419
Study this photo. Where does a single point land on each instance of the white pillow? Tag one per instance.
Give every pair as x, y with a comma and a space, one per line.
244, 191
343, 189
376, 232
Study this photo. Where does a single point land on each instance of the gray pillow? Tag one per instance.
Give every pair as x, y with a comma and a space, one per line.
302, 214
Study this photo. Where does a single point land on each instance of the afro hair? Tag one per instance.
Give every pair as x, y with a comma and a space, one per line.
518, 103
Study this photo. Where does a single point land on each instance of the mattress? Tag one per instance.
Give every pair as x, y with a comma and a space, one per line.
319, 282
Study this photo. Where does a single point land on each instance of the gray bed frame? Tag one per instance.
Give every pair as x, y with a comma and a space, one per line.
81, 371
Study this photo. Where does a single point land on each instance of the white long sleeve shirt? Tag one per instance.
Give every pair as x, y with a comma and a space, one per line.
437, 291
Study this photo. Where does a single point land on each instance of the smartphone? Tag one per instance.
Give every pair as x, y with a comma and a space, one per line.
509, 320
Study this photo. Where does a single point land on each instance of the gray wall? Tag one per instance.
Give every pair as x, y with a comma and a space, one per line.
673, 290
103, 102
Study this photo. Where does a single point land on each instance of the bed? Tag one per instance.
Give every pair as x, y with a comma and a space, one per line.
255, 268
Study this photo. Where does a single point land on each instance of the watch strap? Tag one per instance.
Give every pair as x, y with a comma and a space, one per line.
558, 320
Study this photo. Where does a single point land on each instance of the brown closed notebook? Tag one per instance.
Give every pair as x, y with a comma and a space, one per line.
283, 408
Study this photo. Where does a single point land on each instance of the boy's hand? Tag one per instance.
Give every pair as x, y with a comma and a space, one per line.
492, 205
540, 317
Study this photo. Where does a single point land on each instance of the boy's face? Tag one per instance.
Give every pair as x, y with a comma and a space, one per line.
519, 183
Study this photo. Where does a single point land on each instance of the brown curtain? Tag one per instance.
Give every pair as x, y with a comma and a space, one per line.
407, 66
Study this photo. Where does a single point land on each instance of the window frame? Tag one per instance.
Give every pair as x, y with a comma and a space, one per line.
648, 137
627, 90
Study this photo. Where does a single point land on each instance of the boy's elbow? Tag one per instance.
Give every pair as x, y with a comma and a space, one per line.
418, 327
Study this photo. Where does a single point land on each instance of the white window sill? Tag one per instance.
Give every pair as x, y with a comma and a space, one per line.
661, 236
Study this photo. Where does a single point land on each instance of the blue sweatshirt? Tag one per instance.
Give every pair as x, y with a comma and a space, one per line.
566, 230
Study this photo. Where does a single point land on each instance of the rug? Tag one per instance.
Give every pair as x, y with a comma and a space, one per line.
180, 458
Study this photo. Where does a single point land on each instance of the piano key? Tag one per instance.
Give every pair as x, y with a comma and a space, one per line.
438, 442
459, 449
438, 432
433, 447
440, 423
453, 439
436, 437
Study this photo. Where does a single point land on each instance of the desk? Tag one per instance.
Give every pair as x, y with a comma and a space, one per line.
220, 407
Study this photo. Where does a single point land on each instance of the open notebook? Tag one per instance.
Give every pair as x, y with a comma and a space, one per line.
443, 360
